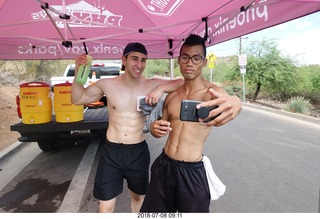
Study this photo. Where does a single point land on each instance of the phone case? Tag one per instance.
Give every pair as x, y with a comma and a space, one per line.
188, 111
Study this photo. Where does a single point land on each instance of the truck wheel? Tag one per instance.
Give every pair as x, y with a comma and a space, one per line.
47, 146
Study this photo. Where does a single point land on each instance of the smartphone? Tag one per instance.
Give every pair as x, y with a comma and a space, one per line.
189, 112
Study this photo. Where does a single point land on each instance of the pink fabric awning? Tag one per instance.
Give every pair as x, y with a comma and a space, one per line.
56, 29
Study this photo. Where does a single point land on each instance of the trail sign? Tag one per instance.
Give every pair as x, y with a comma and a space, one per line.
242, 59
243, 69
211, 57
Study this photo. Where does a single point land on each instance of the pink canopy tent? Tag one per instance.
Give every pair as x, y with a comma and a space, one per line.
57, 29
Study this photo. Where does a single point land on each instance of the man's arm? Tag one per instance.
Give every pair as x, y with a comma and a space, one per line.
164, 86
229, 107
79, 94
161, 128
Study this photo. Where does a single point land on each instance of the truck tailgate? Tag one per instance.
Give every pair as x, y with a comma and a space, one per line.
93, 119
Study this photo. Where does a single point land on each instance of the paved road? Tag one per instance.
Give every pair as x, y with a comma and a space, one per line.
269, 164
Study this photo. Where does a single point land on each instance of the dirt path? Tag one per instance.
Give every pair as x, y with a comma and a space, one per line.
8, 115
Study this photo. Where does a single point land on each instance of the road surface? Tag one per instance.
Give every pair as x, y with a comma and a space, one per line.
269, 164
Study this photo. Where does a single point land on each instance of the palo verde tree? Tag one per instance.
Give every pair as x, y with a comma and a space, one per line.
312, 75
267, 68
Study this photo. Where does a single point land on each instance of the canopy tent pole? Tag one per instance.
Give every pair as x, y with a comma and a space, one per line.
170, 42
46, 7
171, 67
52, 21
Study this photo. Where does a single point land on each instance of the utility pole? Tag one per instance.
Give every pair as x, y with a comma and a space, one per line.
242, 64
240, 44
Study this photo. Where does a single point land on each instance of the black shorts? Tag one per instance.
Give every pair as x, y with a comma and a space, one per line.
177, 186
118, 162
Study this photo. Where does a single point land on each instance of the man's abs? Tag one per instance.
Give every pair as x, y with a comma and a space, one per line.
186, 142
126, 132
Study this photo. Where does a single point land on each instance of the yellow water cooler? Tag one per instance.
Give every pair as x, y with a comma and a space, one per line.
35, 103
64, 110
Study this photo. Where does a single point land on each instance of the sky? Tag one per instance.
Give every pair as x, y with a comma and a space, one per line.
299, 38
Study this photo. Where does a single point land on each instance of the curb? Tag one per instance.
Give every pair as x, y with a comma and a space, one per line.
15, 147
300, 117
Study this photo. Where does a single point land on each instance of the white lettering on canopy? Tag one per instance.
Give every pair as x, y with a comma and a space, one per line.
78, 12
57, 49
241, 19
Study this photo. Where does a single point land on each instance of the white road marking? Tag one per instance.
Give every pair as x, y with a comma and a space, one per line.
72, 200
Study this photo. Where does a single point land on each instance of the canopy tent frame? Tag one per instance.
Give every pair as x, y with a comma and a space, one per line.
106, 26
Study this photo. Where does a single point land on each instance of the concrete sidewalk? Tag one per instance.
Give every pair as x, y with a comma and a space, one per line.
297, 116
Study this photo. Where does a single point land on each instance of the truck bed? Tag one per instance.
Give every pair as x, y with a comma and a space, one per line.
94, 119
53, 134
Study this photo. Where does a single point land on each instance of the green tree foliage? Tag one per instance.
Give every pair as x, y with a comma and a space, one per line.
13, 72
311, 74
159, 67
221, 69
228, 71
43, 70
268, 69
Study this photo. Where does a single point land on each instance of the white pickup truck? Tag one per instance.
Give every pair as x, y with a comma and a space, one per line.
103, 69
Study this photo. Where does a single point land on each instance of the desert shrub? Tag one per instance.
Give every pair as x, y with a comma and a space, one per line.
234, 90
298, 105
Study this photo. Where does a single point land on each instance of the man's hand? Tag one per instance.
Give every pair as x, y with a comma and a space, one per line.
229, 107
80, 60
160, 128
163, 86
153, 97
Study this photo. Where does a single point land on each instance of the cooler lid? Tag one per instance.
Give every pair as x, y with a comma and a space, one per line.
35, 84
67, 83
